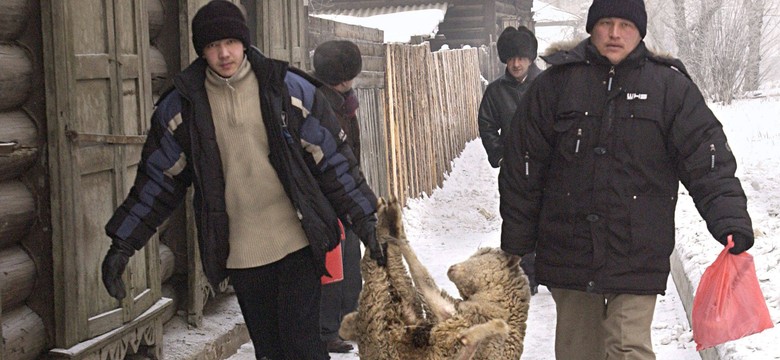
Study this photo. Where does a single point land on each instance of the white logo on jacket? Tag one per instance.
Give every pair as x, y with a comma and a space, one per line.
632, 96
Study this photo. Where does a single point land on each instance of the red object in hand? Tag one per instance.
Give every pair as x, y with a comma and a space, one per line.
333, 261
728, 304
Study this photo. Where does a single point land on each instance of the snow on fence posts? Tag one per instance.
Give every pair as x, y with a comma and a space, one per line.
431, 107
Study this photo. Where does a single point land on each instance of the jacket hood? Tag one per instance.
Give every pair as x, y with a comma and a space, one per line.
582, 51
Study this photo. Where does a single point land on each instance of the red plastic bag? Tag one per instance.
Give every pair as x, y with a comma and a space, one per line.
333, 262
728, 304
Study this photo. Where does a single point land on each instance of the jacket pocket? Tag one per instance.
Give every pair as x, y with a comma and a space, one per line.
643, 133
558, 242
652, 231
574, 134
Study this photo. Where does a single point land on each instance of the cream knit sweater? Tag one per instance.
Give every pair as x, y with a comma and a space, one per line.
264, 226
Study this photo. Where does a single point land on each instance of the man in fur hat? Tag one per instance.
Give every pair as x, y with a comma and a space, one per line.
234, 126
590, 179
517, 49
337, 63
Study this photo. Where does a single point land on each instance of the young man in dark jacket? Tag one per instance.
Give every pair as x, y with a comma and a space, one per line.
337, 63
517, 49
263, 150
590, 181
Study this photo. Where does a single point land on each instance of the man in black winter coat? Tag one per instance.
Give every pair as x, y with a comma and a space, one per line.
272, 176
517, 49
590, 180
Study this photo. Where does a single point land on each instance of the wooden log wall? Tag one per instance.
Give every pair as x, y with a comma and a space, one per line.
431, 112
22, 183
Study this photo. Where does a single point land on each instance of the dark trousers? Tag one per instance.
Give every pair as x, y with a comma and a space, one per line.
528, 267
280, 303
341, 298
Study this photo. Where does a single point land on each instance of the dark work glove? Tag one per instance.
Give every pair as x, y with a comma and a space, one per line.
367, 233
741, 241
114, 265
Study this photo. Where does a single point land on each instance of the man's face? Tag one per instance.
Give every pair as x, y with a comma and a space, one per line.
615, 38
344, 86
518, 67
224, 56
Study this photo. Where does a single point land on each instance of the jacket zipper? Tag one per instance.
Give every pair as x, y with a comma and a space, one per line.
579, 137
526, 161
712, 156
611, 75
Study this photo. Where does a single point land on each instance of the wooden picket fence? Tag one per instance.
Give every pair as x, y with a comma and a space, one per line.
417, 109
431, 108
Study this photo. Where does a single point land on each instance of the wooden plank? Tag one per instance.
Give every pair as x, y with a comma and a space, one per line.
373, 63
369, 80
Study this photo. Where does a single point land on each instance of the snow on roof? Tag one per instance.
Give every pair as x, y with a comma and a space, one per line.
399, 23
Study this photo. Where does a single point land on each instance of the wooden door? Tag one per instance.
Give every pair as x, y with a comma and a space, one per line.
279, 27
98, 103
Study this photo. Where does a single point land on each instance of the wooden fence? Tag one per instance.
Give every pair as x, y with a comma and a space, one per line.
417, 109
431, 108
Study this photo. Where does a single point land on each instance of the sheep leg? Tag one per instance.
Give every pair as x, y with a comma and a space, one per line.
441, 308
475, 335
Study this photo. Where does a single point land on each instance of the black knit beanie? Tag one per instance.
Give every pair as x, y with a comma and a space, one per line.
633, 10
337, 61
519, 42
217, 20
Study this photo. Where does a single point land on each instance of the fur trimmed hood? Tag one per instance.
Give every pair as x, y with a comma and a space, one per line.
575, 51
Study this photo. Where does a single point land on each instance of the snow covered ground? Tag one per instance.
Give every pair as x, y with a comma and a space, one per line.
462, 215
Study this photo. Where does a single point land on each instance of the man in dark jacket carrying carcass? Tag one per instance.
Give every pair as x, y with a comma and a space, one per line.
517, 49
590, 181
272, 175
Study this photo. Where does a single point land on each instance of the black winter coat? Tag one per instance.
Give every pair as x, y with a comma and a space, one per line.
497, 109
590, 181
181, 150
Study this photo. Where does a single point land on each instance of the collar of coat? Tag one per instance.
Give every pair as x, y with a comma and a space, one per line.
533, 72
574, 52
268, 71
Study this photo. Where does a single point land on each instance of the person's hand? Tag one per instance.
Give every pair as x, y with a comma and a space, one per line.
367, 233
741, 241
114, 265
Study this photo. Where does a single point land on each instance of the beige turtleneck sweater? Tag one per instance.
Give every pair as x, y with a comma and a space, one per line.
264, 226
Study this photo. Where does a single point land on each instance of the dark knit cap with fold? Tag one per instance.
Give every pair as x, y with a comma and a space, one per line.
519, 42
337, 61
633, 10
217, 20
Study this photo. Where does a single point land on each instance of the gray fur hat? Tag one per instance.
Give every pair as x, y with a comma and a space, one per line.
337, 61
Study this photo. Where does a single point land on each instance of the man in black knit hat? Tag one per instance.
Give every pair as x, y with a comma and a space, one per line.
272, 176
517, 48
590, 179
337, 63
